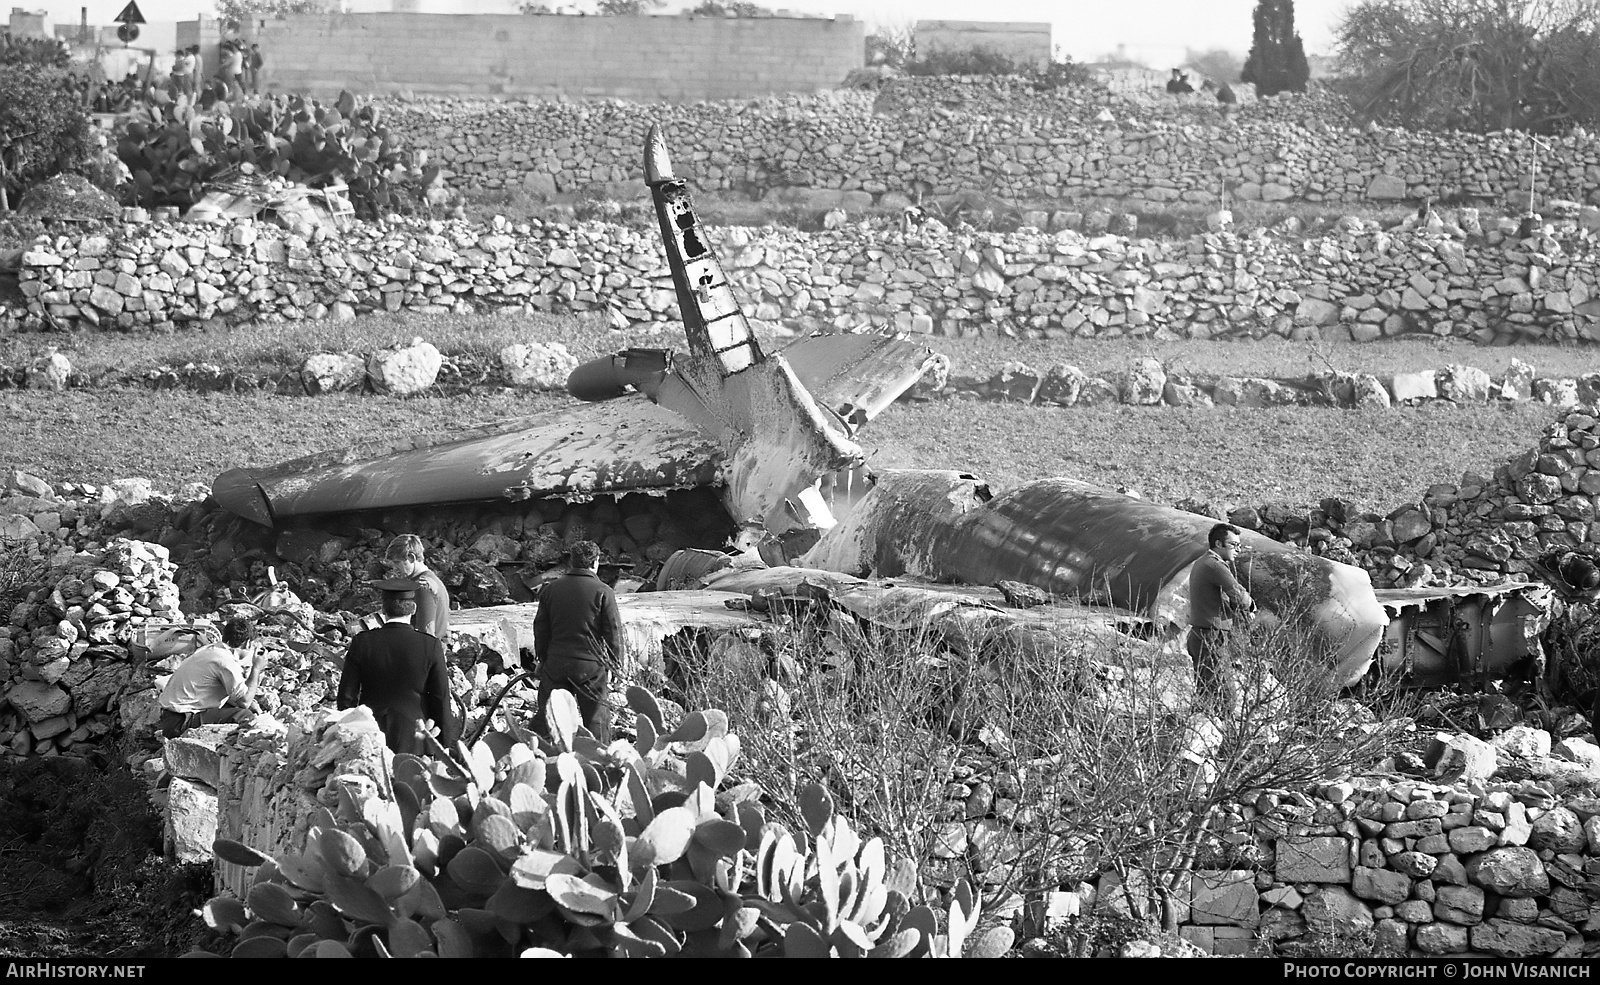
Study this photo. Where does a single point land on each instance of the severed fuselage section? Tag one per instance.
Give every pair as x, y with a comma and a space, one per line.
774, 433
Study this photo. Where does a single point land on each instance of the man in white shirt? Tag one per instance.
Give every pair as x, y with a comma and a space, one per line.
211, 686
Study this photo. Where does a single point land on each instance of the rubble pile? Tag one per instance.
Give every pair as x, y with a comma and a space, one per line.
1456, 863
1452, 274
1481, 530
486, 555
949, 134
65, 661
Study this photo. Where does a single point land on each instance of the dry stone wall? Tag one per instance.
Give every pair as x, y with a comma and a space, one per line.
1453, 862
1449, 275
943, 135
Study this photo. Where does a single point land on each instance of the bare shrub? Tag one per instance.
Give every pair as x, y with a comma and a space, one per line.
1088, 740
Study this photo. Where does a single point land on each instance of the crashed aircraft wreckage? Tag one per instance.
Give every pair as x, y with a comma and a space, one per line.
774, 433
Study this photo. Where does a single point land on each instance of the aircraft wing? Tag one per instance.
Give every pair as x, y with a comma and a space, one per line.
617, 447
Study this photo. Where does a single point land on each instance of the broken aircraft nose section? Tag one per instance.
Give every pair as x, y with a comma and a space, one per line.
1077, 540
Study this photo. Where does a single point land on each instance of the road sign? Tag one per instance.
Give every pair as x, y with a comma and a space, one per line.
130, 14
127, 33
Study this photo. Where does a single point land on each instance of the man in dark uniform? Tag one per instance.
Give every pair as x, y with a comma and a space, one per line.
399, 673
577, 638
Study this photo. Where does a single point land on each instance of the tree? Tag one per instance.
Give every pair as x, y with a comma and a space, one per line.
732, 8
1474, 64
1277, 61
892, 45
240, 11
628, 8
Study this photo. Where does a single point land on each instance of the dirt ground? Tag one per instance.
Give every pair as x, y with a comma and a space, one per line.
81, 873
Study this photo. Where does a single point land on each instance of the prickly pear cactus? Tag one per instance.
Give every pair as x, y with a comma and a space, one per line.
562, 848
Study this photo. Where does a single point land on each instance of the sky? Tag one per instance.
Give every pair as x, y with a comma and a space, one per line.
1156, 30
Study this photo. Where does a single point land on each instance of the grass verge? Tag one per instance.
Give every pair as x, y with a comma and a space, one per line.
1227, 456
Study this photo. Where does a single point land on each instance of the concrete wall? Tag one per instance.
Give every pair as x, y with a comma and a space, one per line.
1019, 40
647, 58
30, 24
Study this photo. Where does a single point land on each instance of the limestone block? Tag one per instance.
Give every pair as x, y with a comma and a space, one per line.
406, 369
1097, 391
332, 372
1016, 381
1559, 830
1380, 885
1415, 864
1386, 187
1561, 392
1509, 871
195, 755
1313, 859
1458, 904
49, 372
1370, 393
1464, 384
1315, 311
1146, 381
191, 826
1421, 385
96, 689
1441, 938
543, 366
37, 701
1472, 838
1460, 757
1509, 939
1280, 924
1333, 910
1061, 385
1518, 827
1523, 740
1517, 384
1224, 896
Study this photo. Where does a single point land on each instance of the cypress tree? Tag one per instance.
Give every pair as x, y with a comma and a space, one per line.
1277, 59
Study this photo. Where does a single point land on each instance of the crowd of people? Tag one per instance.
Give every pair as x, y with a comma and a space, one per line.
238, 71
398, 669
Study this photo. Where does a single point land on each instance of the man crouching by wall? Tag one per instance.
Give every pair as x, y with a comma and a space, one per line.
211, 686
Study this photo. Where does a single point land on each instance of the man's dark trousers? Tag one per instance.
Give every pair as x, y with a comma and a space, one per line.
590, 683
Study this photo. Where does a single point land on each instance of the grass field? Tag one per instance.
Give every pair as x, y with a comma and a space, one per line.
1226, 456
279, 348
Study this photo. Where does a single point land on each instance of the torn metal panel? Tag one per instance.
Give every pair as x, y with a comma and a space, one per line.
1079, 541
963, 612
626, 446
1469, 634
858, 376
648, 620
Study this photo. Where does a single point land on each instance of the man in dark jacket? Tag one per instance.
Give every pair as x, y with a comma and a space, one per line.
399, 673
577, 638
1215, 599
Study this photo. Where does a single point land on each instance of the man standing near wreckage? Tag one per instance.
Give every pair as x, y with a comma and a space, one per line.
577, 638
400, 674
405, 555
1216, 599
